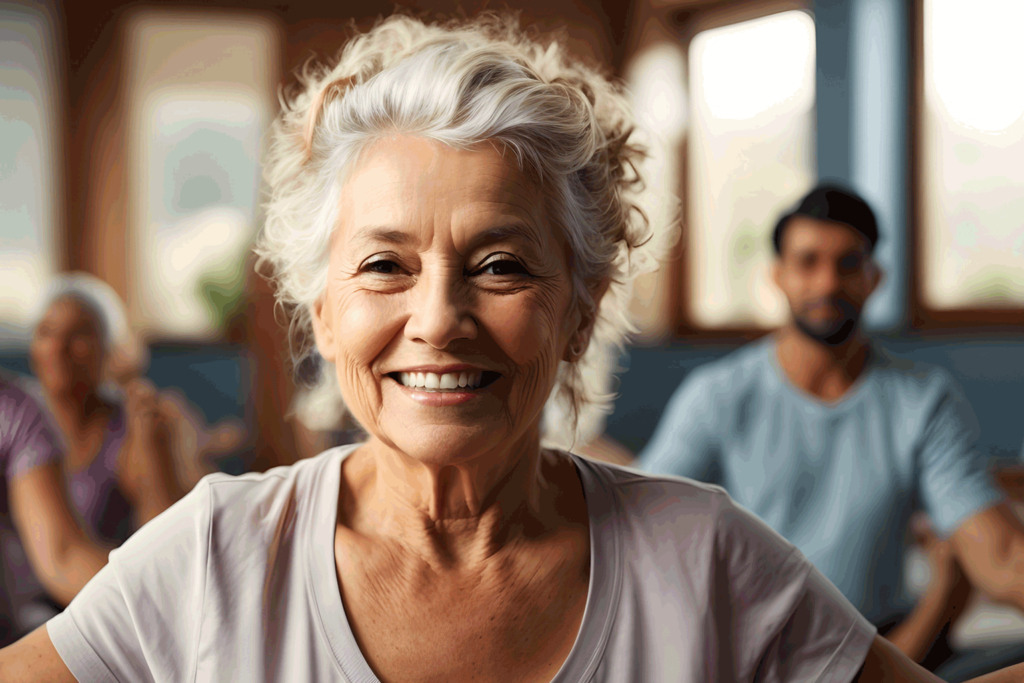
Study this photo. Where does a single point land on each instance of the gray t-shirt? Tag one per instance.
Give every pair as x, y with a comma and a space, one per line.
237, 581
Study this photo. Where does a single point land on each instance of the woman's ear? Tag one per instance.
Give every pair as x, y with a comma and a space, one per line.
322, 318
579, 341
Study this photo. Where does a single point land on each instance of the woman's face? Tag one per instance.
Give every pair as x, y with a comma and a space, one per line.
448, 302
66, 348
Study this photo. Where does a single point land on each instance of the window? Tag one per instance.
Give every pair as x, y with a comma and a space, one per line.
656, 77
202, 89
29, 167
970, 228
750, 155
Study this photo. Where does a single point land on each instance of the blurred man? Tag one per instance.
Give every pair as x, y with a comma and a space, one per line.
835, 444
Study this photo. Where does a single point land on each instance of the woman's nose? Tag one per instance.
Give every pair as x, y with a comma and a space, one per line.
439, 312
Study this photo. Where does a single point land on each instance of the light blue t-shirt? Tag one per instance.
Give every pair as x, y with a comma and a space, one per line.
838, 480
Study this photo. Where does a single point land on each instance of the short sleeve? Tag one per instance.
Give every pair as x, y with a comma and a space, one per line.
686, 440
27, 439
954, 480
138, 618
786, 622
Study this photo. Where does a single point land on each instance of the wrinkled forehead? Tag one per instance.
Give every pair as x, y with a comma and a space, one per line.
411, 184
812, 235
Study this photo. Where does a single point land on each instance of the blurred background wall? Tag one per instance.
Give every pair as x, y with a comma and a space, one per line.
131, 135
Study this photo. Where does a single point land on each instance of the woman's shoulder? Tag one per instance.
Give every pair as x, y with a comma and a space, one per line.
225, 515
22, 389
301, 481
664, 509
640, 493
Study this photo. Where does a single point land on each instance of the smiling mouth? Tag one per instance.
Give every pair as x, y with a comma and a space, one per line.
449, 381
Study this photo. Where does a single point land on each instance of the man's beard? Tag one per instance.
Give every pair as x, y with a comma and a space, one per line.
835, 333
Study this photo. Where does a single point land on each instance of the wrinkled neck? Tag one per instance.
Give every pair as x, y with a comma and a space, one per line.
457, 512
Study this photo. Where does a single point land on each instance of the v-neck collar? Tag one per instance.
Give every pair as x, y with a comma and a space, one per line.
602, 593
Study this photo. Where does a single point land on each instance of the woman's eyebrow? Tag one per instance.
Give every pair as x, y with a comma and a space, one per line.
506, 232
382, 234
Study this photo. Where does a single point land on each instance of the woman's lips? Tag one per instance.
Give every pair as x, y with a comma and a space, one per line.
444, 388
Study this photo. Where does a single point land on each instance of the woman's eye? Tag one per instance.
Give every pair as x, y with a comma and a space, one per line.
383, 266
503, 267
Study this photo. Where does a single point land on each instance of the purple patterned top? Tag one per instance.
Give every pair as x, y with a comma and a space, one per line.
26, 442
94, 493
28, 439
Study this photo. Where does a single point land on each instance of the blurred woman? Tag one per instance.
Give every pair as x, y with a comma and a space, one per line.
116, 445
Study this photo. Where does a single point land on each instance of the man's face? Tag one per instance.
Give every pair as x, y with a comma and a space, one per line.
826, 272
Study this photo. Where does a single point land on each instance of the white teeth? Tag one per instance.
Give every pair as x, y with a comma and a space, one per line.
449, 380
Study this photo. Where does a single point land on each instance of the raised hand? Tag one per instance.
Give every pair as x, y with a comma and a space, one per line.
146, 465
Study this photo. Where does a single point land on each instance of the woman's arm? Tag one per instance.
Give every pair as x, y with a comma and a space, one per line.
33, 659
886, 664
63, 556
942, 603
1011, 674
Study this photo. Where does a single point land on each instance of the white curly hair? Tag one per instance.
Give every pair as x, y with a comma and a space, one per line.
461, 83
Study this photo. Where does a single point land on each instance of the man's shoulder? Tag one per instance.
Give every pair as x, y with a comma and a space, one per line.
744, 366
904, 375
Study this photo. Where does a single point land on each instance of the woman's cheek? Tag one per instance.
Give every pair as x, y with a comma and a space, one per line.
367, 324
46, 354
527, 325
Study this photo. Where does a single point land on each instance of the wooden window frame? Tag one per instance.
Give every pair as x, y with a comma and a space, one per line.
685, 20
922, 317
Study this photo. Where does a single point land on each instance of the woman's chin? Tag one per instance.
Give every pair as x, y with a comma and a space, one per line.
443, 445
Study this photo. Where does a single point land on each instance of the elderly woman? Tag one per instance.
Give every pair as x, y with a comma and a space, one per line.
452, 222
116, 445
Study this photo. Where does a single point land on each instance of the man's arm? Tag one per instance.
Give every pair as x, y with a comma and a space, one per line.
990, 546
964, 502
